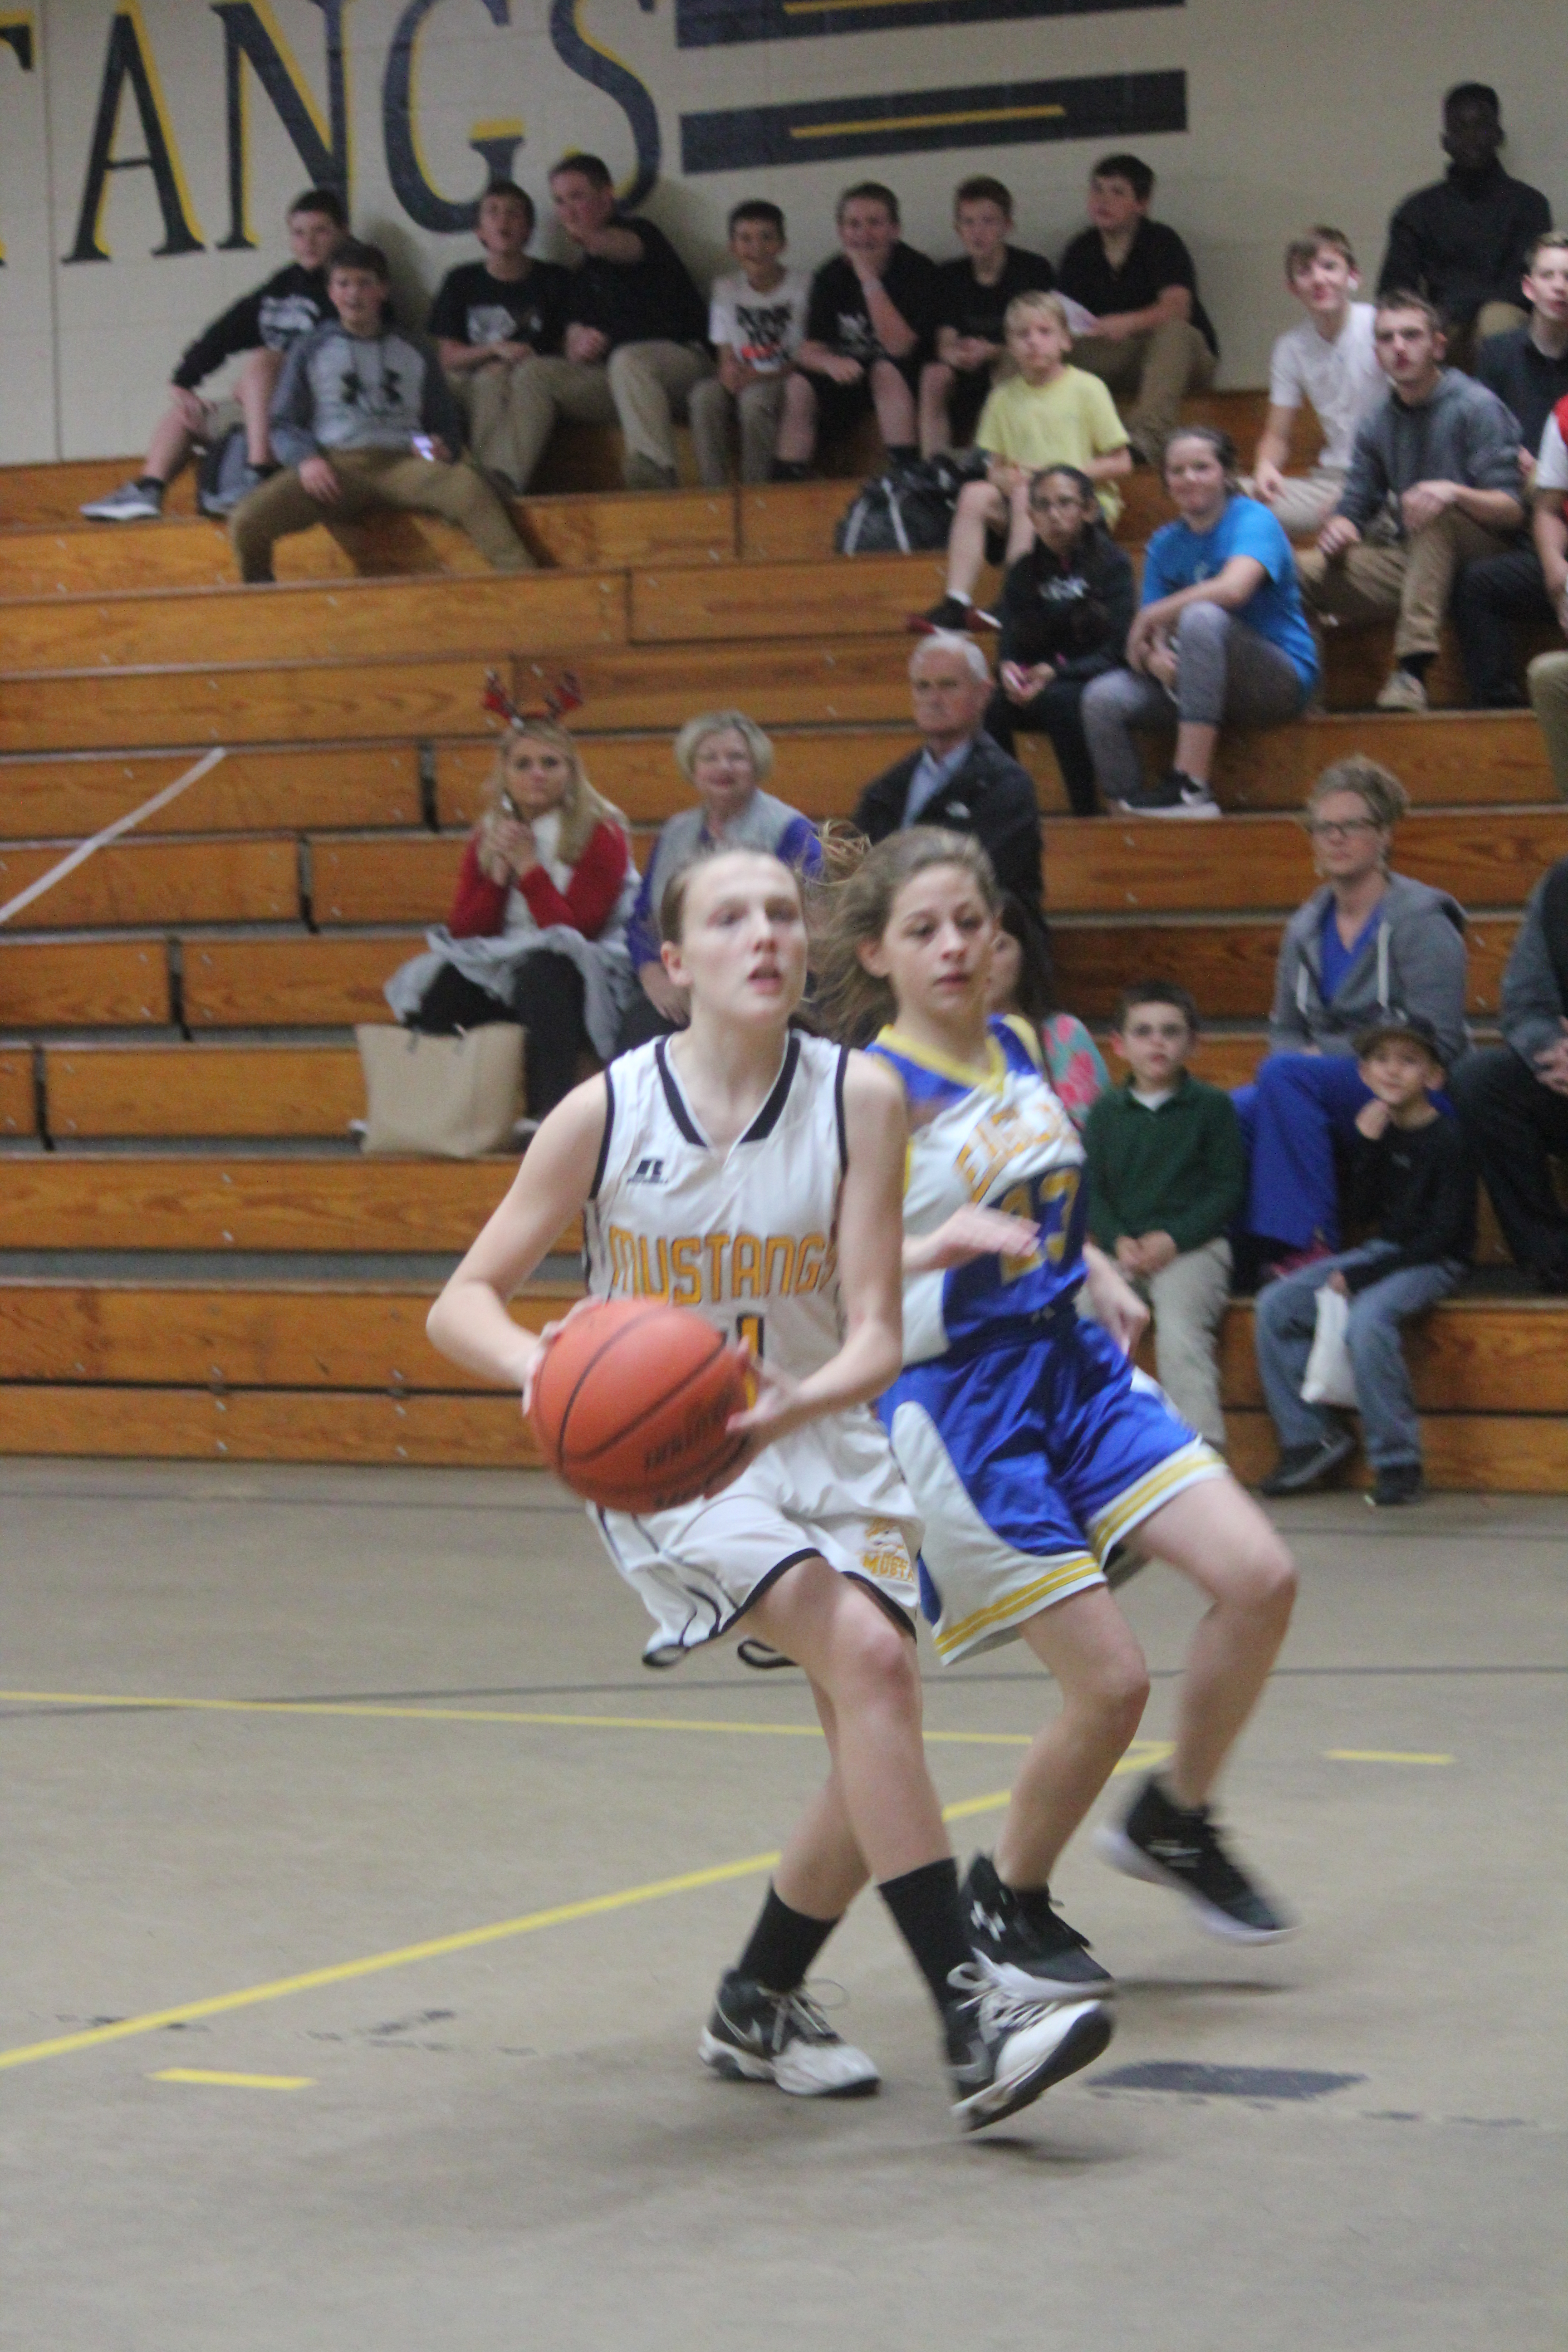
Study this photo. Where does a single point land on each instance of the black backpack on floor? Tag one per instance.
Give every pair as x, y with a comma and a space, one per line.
908, 513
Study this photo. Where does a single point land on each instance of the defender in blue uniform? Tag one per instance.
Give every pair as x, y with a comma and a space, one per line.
1040, 1458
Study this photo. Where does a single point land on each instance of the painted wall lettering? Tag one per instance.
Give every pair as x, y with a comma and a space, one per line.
496, 143
250, 33
130, 60
576, 48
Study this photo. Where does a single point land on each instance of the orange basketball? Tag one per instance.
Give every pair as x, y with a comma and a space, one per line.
632, 1401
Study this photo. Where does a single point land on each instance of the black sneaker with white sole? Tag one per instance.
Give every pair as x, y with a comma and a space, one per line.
1176, 794
1004, 2047
758, 2036
1025, 1939
1169, 1845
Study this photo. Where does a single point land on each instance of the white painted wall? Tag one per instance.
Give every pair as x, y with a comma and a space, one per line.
1298, 109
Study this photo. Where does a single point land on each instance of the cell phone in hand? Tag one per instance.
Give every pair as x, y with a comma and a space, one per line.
423, 446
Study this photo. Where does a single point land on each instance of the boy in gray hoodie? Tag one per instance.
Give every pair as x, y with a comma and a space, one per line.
362, 420
1513, 1098
1371, 945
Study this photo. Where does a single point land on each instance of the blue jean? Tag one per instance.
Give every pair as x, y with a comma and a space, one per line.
1283, 1323
1292, 1114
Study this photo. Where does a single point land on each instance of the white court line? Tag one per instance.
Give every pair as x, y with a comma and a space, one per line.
85, 849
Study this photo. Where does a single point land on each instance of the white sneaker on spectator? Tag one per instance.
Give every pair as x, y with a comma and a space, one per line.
131, 502
1401, 690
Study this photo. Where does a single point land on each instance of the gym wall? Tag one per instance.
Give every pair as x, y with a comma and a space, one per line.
148, 147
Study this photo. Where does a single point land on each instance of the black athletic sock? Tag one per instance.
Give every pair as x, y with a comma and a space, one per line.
929, 1917
1417, 665
267, 467
151, 482
903, 453
783, 1945
786, 469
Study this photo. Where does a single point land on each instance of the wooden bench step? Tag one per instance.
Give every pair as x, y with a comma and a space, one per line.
99, 1090
327, 784
288, 983
226, 879
84, 984
125, 1200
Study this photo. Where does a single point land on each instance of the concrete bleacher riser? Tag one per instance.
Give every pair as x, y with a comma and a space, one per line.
176, 1075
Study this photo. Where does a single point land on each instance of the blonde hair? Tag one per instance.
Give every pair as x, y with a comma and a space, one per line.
1036, 305
855, 910
696, 731
583, 810
1377, 787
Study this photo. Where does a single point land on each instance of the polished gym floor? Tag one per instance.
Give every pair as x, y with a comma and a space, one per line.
363, 1896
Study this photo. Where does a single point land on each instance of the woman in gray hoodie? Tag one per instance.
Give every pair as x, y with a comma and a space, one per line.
1369, 946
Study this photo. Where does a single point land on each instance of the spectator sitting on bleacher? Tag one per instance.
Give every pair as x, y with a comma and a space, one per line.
1166, 1177
635, 344
1021, 983
491, 316
1370, 946
756, 321
1152, 337
1328, 359
1413, 1189
266, 324
1548, 673
537, 932
1220, 640
972, 299
959, 779
1047, 414
1434, 483
1065, 608
1462, 241
726, 759
1513, 1098
1528, 370
870, 314
354, 403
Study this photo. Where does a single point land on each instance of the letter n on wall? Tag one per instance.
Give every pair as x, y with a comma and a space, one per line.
250, 32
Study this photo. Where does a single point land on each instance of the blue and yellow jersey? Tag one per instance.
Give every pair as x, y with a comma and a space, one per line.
1001, 1142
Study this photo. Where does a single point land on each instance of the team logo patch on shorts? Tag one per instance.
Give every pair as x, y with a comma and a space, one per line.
885, 1553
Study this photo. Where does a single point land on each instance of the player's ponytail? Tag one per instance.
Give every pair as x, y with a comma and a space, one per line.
852, 907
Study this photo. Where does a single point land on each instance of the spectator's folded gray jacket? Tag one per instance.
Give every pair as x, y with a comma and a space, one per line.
339, 390
1535, 985
1414, 963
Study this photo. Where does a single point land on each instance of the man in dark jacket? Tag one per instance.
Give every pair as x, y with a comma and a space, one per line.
266, 324
1513, 1098
1462, 241
960, 778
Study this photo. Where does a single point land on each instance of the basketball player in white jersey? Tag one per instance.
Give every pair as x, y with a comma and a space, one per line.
753, 1174
1037, 1454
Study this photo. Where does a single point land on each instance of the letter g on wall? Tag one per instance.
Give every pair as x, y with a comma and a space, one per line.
400, 132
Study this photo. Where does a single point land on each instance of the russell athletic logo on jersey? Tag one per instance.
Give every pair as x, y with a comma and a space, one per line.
707, 1269
647, 1172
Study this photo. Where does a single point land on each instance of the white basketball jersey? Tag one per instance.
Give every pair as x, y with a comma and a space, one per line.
746, 1236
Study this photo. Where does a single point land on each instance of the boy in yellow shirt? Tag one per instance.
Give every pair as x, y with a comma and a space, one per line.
1045, 414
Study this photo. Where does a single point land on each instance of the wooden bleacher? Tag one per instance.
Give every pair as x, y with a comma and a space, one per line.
177, 1075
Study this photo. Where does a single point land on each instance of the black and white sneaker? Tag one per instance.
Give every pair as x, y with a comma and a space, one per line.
1301, 1467
757, 2036
1027, 1943
1397, 1482
1004, 2047
1176, 794
131, 502
1166, 1845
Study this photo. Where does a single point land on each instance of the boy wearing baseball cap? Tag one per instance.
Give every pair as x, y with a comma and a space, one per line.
1412, 1192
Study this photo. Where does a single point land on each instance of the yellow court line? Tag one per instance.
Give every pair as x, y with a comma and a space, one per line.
234, 2082
924, 121
1381, 1756
1142, 1753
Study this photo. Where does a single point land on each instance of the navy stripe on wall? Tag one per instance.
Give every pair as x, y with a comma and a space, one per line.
1095, 105
703, 24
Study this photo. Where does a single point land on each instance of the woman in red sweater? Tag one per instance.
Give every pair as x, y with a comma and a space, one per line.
537, 933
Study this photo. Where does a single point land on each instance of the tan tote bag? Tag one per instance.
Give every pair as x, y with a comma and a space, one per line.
446, 1098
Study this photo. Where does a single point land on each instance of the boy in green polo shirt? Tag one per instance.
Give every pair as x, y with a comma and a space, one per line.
1167, 1174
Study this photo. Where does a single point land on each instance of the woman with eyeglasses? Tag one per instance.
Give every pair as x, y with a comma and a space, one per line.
1370, 944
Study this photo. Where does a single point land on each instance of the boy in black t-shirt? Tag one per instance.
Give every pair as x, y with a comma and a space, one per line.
1152, 338
871, 314
266, 324
972, 299
634, 346
490, 316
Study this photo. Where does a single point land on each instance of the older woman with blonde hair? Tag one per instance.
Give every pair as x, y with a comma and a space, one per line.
536, 931
726, 759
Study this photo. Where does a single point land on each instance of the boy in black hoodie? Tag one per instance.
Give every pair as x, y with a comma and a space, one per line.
266, 323
1413, 1189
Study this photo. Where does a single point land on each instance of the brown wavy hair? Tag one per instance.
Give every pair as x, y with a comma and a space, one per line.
854, 908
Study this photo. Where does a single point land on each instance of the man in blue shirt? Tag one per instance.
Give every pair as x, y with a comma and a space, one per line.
1221, 639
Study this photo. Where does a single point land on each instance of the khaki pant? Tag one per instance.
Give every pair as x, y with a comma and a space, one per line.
1547, 677
1413, 579
1305, 503
371, 479
1188, 1298
756, 407
642, 387
1491, 319
1159, 368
